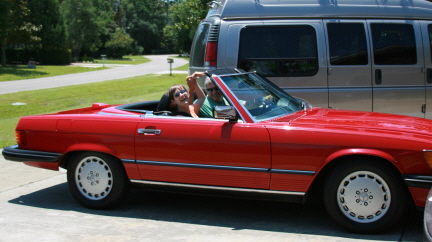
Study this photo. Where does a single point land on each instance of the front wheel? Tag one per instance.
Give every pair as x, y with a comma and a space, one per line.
365, 196
97, 180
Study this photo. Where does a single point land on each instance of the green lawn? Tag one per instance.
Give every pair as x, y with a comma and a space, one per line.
127, 60
20, 72
148, 87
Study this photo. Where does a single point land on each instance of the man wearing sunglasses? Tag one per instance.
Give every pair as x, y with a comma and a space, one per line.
214, 98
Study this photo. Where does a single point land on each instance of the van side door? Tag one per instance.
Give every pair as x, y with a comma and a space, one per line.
349, 65
397, 69
426, 27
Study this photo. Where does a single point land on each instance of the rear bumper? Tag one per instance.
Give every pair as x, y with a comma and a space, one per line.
13, 153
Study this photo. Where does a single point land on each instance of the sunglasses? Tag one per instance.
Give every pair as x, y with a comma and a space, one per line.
177, 94
212, 89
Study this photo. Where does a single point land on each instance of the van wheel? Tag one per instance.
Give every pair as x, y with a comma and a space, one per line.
364, 196
97, 180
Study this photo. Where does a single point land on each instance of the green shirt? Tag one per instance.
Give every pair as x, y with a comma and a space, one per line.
206, 110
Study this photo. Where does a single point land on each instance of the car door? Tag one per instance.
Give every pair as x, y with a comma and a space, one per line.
203, 151
398, 79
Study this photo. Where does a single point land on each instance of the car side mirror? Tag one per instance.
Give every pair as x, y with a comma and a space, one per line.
225, 112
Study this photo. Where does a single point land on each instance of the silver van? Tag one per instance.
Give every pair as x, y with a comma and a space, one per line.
368, 55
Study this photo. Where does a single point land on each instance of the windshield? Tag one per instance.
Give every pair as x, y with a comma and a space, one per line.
262, 99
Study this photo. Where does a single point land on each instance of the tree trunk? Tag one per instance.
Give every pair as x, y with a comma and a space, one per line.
3, 53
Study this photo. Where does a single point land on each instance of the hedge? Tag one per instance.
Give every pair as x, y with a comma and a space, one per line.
41, 56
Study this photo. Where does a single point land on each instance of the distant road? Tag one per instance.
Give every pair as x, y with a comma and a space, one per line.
157, 64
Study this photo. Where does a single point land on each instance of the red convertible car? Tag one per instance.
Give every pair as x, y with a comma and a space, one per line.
368, 167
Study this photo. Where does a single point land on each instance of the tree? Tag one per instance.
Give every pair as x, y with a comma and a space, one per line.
120, 44
184, 17
46, 13
144, 21
52, 48
82, 26
16, 26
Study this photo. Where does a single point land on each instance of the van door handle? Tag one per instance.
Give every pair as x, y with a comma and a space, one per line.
149, 131
429, 75
378, 77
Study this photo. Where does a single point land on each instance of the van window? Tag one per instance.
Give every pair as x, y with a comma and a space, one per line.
279, 50
430, 38
347, 44
394, 44
199, 46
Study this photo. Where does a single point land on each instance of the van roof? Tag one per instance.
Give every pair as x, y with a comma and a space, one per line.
283, 9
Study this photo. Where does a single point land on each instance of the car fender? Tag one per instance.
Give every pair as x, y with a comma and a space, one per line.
91, 147
360, 151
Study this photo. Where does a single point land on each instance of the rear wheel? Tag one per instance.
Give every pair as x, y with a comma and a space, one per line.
365, 196
97, 180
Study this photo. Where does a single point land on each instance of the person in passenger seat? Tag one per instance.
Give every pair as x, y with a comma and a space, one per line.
214, 98
183, 100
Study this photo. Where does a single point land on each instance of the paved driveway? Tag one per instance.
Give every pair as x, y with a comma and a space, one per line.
157, 64
36, 205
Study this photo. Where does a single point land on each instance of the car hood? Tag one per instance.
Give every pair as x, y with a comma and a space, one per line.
346, 119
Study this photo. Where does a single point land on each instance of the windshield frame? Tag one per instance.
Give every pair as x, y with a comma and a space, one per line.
254, 84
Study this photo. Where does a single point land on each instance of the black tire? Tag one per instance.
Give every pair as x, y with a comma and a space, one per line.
365, 196
97, 180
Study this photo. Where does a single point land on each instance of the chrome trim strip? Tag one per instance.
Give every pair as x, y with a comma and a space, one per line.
418, 181
238, 189
118, 114
235, 168
160, 163
128, 161
293, 172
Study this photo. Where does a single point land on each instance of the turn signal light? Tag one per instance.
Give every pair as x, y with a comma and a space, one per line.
427, 154
20, 137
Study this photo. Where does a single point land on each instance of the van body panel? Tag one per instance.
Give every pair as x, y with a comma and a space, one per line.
361, 55
426, 27
272, 9
398, 82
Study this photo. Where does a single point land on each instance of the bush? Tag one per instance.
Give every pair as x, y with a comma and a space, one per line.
21, 57
45, 57
56, 57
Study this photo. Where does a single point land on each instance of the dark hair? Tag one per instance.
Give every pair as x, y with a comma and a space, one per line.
173, 89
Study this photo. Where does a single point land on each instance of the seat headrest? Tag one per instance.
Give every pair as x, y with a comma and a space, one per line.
164, 104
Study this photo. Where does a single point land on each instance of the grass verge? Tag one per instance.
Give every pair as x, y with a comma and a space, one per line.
12, 73
127, 60
128, 90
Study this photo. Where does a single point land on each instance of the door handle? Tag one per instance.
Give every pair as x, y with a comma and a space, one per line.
149, 131
378, 77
